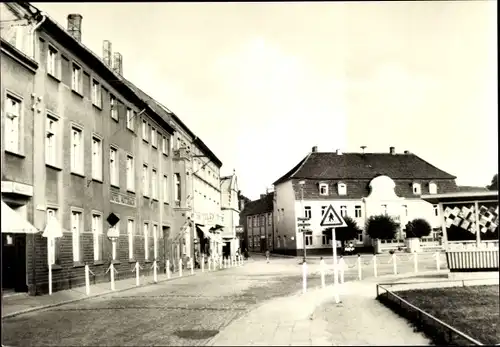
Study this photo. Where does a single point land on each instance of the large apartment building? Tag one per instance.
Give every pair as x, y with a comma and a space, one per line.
87, 151
258, 218
358, 185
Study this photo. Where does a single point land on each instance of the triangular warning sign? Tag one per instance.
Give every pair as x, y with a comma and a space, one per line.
332, 219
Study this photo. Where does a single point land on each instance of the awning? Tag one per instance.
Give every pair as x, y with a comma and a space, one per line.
53, 229
13, 222
204, 230
217, 227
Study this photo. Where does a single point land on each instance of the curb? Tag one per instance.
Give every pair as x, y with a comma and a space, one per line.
38, 308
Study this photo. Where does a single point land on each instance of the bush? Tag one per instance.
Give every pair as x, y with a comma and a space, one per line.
381, 227
418, 228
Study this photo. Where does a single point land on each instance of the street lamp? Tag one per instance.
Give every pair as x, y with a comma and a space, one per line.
301, 184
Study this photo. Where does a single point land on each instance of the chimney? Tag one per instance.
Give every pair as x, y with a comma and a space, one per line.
392, 150
338, 151
107, 53
315, 149
363, 149
75, 26
407, 152
118, 63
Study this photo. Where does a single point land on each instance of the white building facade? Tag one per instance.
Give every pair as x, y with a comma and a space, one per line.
231, 212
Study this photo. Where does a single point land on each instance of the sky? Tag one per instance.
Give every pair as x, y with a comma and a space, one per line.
261, 83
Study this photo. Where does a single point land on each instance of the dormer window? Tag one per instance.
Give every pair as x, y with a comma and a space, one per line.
342, 188
416, 189
323, 189
433, 188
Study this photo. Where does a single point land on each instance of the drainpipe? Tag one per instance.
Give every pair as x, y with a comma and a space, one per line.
32, 33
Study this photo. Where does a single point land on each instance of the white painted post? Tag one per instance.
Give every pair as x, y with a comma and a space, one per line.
438, 261
375, 265
415, 261
112, 270
87, 280
180, 267
342, 269
191, 262
359, 268
394, 264
221, 262
304, 277
322, 271
137, 274
155, 273
168, 268
49, 258
335, 267
202, 263
209, 262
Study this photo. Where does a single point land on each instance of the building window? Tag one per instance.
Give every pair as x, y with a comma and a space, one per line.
269, 219
51, 138
432, 188
323, 210
53, 252
436, 210
384, 209
96, 94
307, 212
177, 187
144, 130
155, 242
357, 211
113, 107
416, 189
76, 221
360, 236
165, 145
52, 61
343, 210
278, 241
76, 151
145, 180
323, 189
113, 167
309, 239
130, 235
96, 158
130, 119
154, 184
249, 222
342, 189
165, 188
97, 235
153, 137
76, 81
405, 210
145, 231
130, 173
324, 239
114, 244
12, 124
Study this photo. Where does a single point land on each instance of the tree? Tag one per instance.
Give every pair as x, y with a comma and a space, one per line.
382, 227
347, 233
418, 228
494, 183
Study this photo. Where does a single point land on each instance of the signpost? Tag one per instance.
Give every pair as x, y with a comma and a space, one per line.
333, 220
52, 230
302, 224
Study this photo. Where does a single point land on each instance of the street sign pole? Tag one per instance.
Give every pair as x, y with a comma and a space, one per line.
335, 267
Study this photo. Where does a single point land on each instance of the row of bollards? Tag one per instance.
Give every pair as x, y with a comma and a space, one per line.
213, 264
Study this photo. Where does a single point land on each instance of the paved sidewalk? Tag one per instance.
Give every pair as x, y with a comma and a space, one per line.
314, 319
19, 303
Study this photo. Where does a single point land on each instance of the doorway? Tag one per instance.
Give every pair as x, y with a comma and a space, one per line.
14, 262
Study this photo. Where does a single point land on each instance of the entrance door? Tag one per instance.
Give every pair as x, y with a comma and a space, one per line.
263, 245
14, 262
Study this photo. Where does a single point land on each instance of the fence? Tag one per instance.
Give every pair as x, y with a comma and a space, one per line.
439, 331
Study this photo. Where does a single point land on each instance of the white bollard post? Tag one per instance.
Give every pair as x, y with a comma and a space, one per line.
438, 262
191, 262
203, 263
209, 262
49, 261
304, 277
87, 280
112, 270
180, 267
375, 265
359, 268
168, 268
155, 272
221, 262
341, 267
137, 278
415, 262
394, 265
322, 271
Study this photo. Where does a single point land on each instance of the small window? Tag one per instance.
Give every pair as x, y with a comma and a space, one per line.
416, 189
96, 94
165, 189
323, 210
96, 158
144, 130
145, 180
130, 235
76, 228
97, 235
77, 150
324, 239
177, 187
436, 210
360, 236
52, 62
113, 167
153, 137
323, 189
432, 188
51, 138
76, 82
130, 173
113, 105
307, 212
145, 231
154, 184
309, 239
383, 209
405, 210
114, 245
165, 145
155, 241
357, 211
12, 124
342, 188
343, 211
130, 119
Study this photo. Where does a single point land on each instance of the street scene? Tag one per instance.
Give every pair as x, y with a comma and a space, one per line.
304, 173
